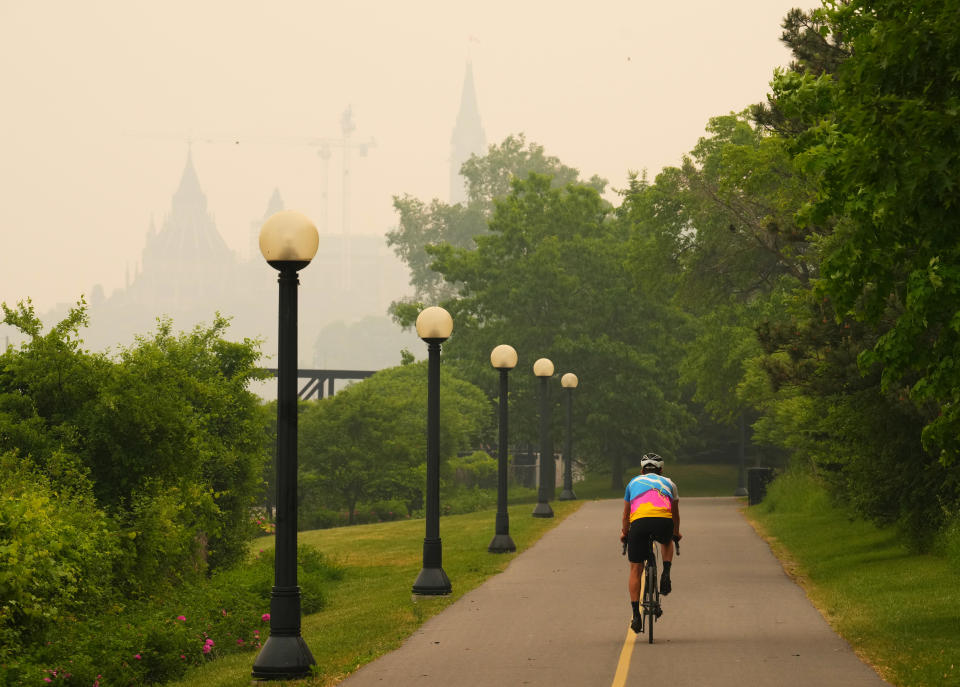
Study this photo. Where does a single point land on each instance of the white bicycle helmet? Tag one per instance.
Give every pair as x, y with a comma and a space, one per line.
651, 460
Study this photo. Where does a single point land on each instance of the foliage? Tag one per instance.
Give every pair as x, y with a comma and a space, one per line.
488, 177
888, 160
550, 278
475, 470
368, 442
56, 550
167, 436
158, 639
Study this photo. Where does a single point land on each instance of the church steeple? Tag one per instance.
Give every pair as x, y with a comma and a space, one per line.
468, 137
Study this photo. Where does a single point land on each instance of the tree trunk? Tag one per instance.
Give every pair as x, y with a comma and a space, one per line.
616, 472
351, 511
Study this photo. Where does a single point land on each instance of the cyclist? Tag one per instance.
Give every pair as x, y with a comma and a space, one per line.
650, 507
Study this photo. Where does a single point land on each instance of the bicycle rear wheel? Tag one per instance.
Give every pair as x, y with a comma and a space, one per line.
650, 600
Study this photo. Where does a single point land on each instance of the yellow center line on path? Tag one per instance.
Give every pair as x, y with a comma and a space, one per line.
623, 665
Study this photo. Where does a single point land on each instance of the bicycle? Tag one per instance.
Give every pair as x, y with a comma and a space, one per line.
649, 587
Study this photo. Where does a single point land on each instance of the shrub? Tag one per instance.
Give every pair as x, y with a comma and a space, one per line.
155, 640
57, 552
950, 540
388, 510
796, 490
476, 470
464, 500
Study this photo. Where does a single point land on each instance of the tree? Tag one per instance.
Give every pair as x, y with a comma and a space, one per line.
368, 442
887, 154
488, 177
553, 279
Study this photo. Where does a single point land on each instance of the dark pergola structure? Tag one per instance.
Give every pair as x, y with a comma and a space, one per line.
315, 380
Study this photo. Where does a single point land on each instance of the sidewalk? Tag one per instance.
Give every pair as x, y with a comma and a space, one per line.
558, 617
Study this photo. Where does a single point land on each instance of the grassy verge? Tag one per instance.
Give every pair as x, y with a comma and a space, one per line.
899, 611
370, 612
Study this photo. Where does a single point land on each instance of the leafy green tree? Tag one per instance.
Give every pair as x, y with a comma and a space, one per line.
886, 153
553, 279
488, 177
368, 442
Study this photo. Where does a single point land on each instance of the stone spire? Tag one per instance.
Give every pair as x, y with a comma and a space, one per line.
468, 137
188, 256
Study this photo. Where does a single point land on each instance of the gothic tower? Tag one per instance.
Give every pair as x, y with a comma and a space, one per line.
187, 257
467, 139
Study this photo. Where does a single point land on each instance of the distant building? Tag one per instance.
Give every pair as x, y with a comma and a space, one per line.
188, 273
467, 139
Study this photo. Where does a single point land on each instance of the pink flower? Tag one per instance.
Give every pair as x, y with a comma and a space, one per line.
182, 657
223, 611
182, 618
265, 617
137, 656
206, 648
209, 642
239, 641
256, 633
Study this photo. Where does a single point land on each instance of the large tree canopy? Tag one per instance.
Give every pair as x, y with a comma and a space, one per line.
488, 177
553, 278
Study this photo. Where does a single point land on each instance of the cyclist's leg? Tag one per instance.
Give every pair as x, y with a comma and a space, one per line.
664, 536
633, 584
636, 552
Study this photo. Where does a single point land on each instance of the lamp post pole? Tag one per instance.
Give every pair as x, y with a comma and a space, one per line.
543, 369
504, 359
569, 382
288, 241
434, 326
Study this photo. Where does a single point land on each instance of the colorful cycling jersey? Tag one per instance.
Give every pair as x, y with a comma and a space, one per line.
650, 496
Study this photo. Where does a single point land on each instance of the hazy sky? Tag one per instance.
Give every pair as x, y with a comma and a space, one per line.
100, 98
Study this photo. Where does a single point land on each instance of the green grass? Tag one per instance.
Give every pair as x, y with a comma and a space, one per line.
370, 612
900, 611
691, 480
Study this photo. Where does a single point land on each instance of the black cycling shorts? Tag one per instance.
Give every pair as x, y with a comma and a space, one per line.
640, 530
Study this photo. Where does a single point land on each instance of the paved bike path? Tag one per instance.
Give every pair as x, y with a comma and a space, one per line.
558, 616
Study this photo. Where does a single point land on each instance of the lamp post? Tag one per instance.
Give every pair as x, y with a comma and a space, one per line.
569, 382
503, 358
543, 369
288, 241
434, 326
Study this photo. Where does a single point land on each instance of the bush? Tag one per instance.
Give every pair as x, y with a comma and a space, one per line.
796, 490
476, 470
464, 500
155, 640
57, 552
950, 542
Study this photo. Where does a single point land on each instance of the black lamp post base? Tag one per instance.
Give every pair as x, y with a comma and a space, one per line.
543, 510
567, 495
740, 491
432, 582
501, 543
283, 658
